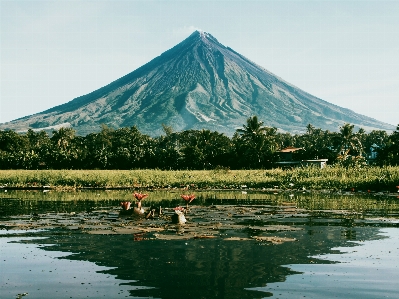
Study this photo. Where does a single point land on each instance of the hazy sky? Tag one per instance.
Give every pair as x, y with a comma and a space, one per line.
344, 52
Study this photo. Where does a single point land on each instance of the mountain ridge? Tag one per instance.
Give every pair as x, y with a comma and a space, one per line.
197, 84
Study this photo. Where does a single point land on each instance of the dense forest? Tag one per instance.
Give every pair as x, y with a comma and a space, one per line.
253, 146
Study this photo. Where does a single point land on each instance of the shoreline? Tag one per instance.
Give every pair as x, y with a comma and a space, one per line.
203, 190
335, 179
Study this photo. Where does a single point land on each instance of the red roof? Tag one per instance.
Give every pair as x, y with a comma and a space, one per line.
290, 149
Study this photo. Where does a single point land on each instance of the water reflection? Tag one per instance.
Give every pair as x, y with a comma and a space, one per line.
211, 268
138, 265
20, 202
27, 270
368, 270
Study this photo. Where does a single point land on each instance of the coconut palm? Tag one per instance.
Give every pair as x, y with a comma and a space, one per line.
316, 144
255, 143
349, 142
252, 129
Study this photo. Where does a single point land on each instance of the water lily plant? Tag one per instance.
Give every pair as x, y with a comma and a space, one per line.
139, 197
126, 205
178, 216
188, 198
179, 208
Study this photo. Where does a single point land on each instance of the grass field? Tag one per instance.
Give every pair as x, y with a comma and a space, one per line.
371, 178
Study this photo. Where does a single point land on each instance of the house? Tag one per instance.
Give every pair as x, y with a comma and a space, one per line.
288, 153
321, 163
287, 159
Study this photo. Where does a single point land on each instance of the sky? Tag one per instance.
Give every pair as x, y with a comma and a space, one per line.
344, 52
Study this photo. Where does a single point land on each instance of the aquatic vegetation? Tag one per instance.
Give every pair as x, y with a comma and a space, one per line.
140, 196
188, 198
126, 205
179, 208
178, 217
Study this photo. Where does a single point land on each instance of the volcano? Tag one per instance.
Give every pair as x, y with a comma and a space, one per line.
198, 84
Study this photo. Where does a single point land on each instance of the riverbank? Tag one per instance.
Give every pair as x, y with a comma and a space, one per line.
369, 179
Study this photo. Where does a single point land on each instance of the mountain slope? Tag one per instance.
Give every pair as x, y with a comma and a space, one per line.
197, 84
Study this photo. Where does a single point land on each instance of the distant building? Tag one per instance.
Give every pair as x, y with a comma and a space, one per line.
321, 163
287, 159
374, 151
288, 153
373, 154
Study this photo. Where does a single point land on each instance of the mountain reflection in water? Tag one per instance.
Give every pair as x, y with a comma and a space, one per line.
208, 268
141, 266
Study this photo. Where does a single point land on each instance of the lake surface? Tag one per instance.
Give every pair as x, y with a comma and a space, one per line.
235, 245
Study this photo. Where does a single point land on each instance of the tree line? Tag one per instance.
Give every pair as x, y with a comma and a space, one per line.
254, 146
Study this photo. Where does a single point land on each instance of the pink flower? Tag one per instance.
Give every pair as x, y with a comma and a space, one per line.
140, 196
126, 205
188, 198
179, 208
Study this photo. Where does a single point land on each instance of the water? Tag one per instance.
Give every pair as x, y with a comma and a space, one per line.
367, 270
352, 252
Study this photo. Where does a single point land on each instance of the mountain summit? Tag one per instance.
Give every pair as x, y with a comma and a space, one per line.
198, 84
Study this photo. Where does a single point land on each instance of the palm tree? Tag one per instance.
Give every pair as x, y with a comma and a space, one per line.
348, 141
253, 129
255, 143
310, 129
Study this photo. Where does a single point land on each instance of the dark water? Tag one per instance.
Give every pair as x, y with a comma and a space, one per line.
336, 255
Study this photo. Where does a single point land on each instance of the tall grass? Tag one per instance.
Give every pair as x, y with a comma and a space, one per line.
371, 178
